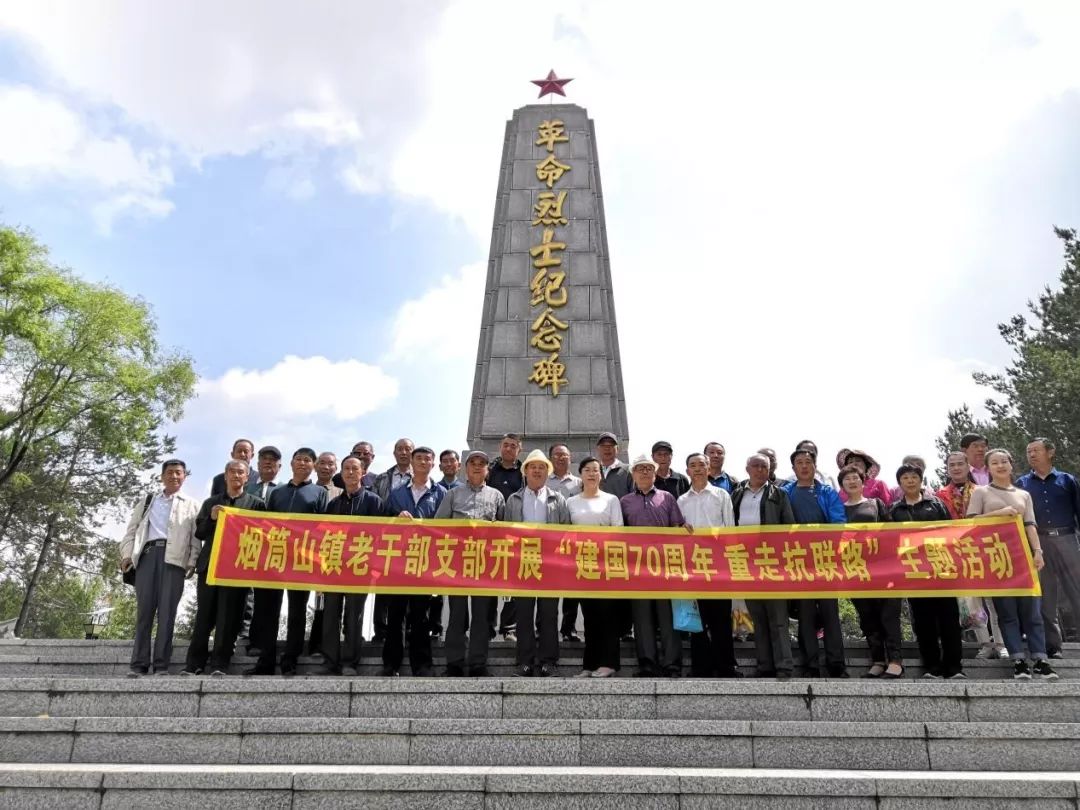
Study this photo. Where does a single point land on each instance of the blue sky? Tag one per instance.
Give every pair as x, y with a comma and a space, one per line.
856, 194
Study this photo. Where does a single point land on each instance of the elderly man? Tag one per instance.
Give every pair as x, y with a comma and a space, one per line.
472, 501
300, 496
420, 499
504, 474
345, 611
242, 450
815, 502
1055, 496
672, 482
568, 485
712, 652
217, 607
616, 475
536, 503
648, 506
757, 501
160, 545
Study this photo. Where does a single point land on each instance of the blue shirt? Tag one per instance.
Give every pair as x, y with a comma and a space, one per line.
804, 504
1056, 498
723, 480
402, 500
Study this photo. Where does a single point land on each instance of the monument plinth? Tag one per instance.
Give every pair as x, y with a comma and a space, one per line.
548, 365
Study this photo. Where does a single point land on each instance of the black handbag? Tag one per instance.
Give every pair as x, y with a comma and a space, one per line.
129, 576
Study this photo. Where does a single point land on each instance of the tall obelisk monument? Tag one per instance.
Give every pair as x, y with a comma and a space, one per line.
548, 361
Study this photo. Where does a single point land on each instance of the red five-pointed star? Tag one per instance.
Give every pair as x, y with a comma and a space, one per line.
552, 84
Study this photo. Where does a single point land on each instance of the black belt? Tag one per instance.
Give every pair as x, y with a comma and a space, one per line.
159, 542
1064, 530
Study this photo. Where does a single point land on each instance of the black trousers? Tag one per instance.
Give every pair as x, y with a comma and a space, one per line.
537, 632
651, 616
826, 614
569, 615
343, 613
601, 633
314, 644
268, 614
231, 604
468, 614
712, 652
936, 622
880, 622
416, 605
206, 610
435, 613
382, 604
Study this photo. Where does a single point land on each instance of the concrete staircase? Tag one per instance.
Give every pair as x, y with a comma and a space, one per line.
74, 735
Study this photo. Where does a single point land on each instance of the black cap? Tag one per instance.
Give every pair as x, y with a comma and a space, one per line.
608, 437
270, 450
662, 446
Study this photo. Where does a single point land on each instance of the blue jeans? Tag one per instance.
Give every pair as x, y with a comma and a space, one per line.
1021, 615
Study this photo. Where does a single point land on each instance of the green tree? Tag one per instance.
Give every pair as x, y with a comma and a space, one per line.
1038, 394
85, 393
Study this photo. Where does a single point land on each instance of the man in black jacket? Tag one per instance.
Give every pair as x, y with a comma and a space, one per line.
219, 608
759, 502
355, 500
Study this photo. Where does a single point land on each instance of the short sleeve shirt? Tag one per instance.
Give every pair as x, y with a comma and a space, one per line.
991, 498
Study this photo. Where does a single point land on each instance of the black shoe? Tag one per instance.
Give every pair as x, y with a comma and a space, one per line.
524, 671
479, 672
783, 675
1021, 671
424, 672
1042, 669
767, 673
571, 638
1055, 654
388, 672
838, 672
247, 673
646, 672
323, 671
288, 672
454, 671
138, 672
673, 673
546, 671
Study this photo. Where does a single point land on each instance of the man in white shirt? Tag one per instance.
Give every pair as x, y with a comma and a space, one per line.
160, 545
712, 652
568, 485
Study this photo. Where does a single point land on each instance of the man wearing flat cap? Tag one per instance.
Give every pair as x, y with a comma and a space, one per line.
674, 483
536, 503
474, 500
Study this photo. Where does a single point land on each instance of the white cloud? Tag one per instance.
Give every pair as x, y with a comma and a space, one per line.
298, 401
44, 140
443, 323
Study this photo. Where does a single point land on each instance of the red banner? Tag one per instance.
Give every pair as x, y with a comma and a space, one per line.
983, 556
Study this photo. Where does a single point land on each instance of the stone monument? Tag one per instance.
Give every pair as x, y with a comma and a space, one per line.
548, 365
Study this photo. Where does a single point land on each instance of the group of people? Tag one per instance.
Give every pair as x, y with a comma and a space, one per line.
170, 536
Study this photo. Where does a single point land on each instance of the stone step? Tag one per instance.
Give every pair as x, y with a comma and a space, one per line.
934, 746
239, 787
499, 665
545, 698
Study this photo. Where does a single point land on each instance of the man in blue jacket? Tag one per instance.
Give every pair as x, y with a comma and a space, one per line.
815, 502
420, 498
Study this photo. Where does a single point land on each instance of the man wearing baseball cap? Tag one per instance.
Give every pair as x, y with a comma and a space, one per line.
472, 501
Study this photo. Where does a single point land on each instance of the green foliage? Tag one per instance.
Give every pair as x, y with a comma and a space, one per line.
85, 392
1038, 394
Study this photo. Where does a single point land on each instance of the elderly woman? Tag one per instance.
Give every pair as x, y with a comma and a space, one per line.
593, 507
1018, 616
879, 618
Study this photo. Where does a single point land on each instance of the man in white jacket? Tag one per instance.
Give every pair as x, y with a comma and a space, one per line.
160, 545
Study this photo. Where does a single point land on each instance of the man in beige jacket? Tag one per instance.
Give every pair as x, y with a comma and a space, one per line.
160, 545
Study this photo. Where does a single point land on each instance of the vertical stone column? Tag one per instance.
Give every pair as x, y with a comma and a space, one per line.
579, 338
